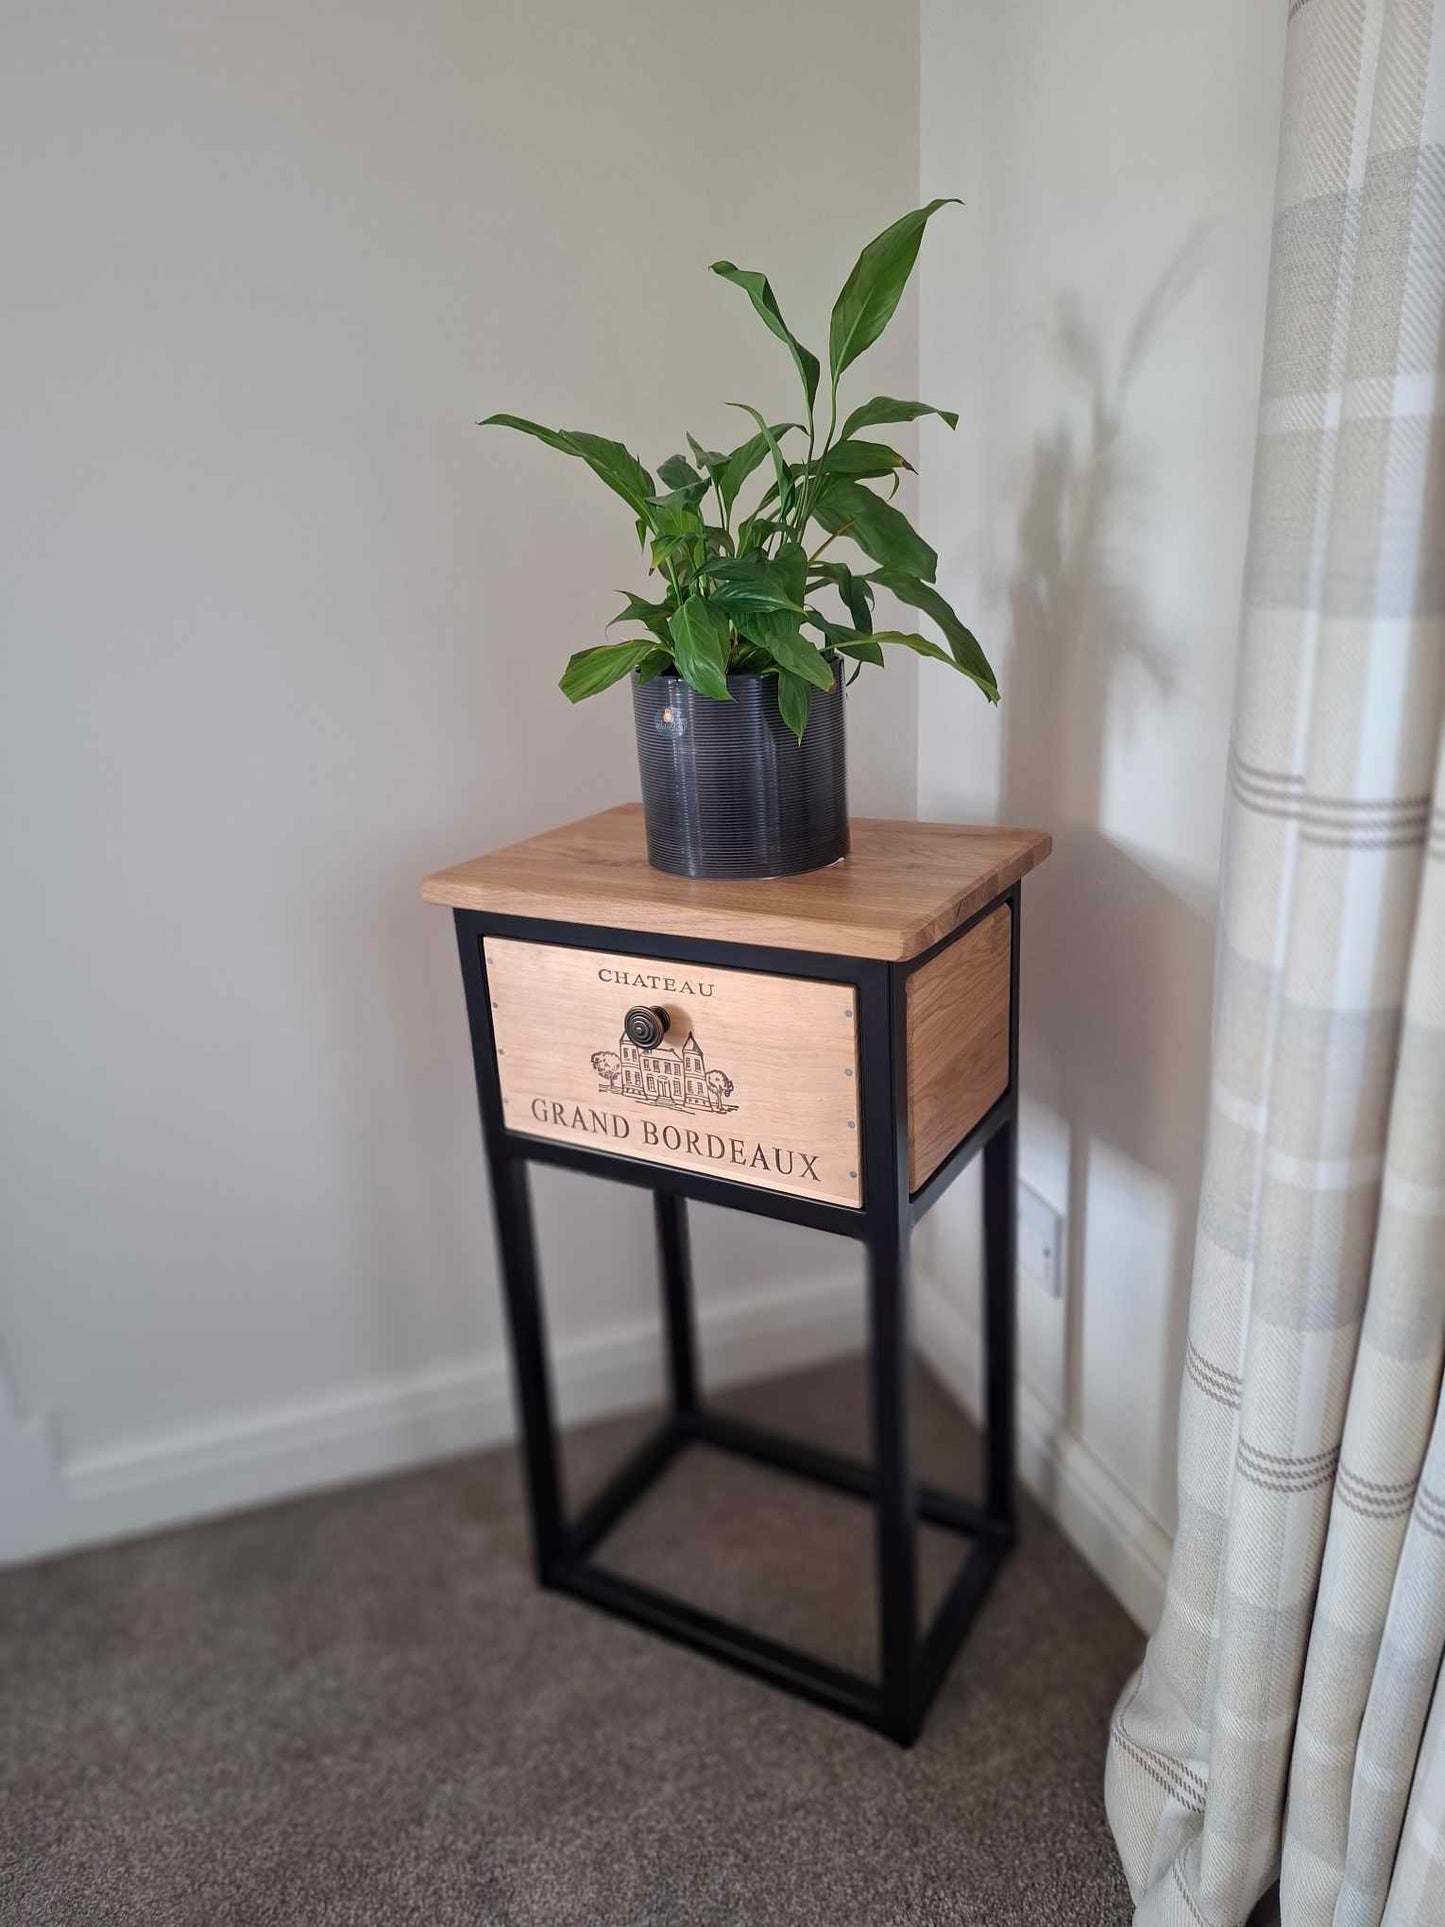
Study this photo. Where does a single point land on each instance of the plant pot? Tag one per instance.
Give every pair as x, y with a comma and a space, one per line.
727, 789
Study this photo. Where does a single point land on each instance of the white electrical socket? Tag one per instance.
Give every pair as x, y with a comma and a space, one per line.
1041, 1244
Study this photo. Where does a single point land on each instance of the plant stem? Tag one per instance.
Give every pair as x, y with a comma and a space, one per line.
801, 526
815, 481
831, 539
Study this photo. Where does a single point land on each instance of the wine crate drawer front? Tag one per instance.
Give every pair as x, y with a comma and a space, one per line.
735, 1073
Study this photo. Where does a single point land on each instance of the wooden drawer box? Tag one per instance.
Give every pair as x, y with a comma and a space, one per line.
756, 1076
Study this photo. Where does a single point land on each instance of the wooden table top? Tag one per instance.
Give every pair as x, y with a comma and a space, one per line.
901, 888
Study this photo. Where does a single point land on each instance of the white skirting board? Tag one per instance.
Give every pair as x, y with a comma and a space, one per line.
368, 1430
1127, 1548
32, 1490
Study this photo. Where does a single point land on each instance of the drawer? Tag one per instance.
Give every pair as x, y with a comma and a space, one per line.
755, 1077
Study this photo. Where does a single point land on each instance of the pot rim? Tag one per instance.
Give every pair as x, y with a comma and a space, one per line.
739, 676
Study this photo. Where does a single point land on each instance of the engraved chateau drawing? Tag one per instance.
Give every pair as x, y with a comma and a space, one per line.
677, 1077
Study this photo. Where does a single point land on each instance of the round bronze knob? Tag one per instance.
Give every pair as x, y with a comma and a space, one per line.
646, 1025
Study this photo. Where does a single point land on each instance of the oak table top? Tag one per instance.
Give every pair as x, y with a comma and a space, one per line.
901, 888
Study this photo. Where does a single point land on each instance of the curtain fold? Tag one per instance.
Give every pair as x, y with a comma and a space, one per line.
1287, 1722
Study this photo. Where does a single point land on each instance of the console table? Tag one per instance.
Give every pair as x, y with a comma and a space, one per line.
831, 1049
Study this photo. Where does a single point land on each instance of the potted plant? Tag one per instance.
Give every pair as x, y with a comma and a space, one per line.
737, 677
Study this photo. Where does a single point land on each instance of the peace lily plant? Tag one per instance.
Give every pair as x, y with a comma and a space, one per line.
738, 593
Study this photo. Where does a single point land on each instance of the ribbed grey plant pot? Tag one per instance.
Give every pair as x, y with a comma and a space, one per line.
727, 789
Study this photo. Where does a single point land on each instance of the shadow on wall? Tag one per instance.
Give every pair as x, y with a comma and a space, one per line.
1118, 965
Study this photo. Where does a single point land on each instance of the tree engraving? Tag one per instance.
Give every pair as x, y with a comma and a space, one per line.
608, 1066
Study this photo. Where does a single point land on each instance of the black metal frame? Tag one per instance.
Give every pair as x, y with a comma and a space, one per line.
911, 1668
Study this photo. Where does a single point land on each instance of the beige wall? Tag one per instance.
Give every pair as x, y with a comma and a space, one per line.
1101, 330
282, 630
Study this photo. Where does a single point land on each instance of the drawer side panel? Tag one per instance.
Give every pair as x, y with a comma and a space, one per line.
958, 1026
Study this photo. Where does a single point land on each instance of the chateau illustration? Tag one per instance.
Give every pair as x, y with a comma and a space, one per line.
677, 1077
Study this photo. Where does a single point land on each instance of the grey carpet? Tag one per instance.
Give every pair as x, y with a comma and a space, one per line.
355, 1710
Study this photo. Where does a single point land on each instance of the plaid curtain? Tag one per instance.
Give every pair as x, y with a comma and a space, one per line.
1288, 1722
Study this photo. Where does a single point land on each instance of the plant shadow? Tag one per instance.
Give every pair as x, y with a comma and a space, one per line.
1118, 960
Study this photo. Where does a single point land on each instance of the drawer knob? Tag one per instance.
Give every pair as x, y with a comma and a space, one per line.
646, 1025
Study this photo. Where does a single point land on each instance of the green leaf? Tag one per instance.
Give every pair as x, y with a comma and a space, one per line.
673, 550
883, 408
848, 461
760, 293
686, 495
857, 595
593, 669
862, 651
738, 466
613, 464
790, 566
777, 633
770, 441
678, 472
748, 660
834, 633
872, 291
553, 437
652, 615
852, 459
750, 582
677, 514
920, 645
700, 644
709, 457
798, 657
794, 702
967, 652
755, 531
849, 642
878, 528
